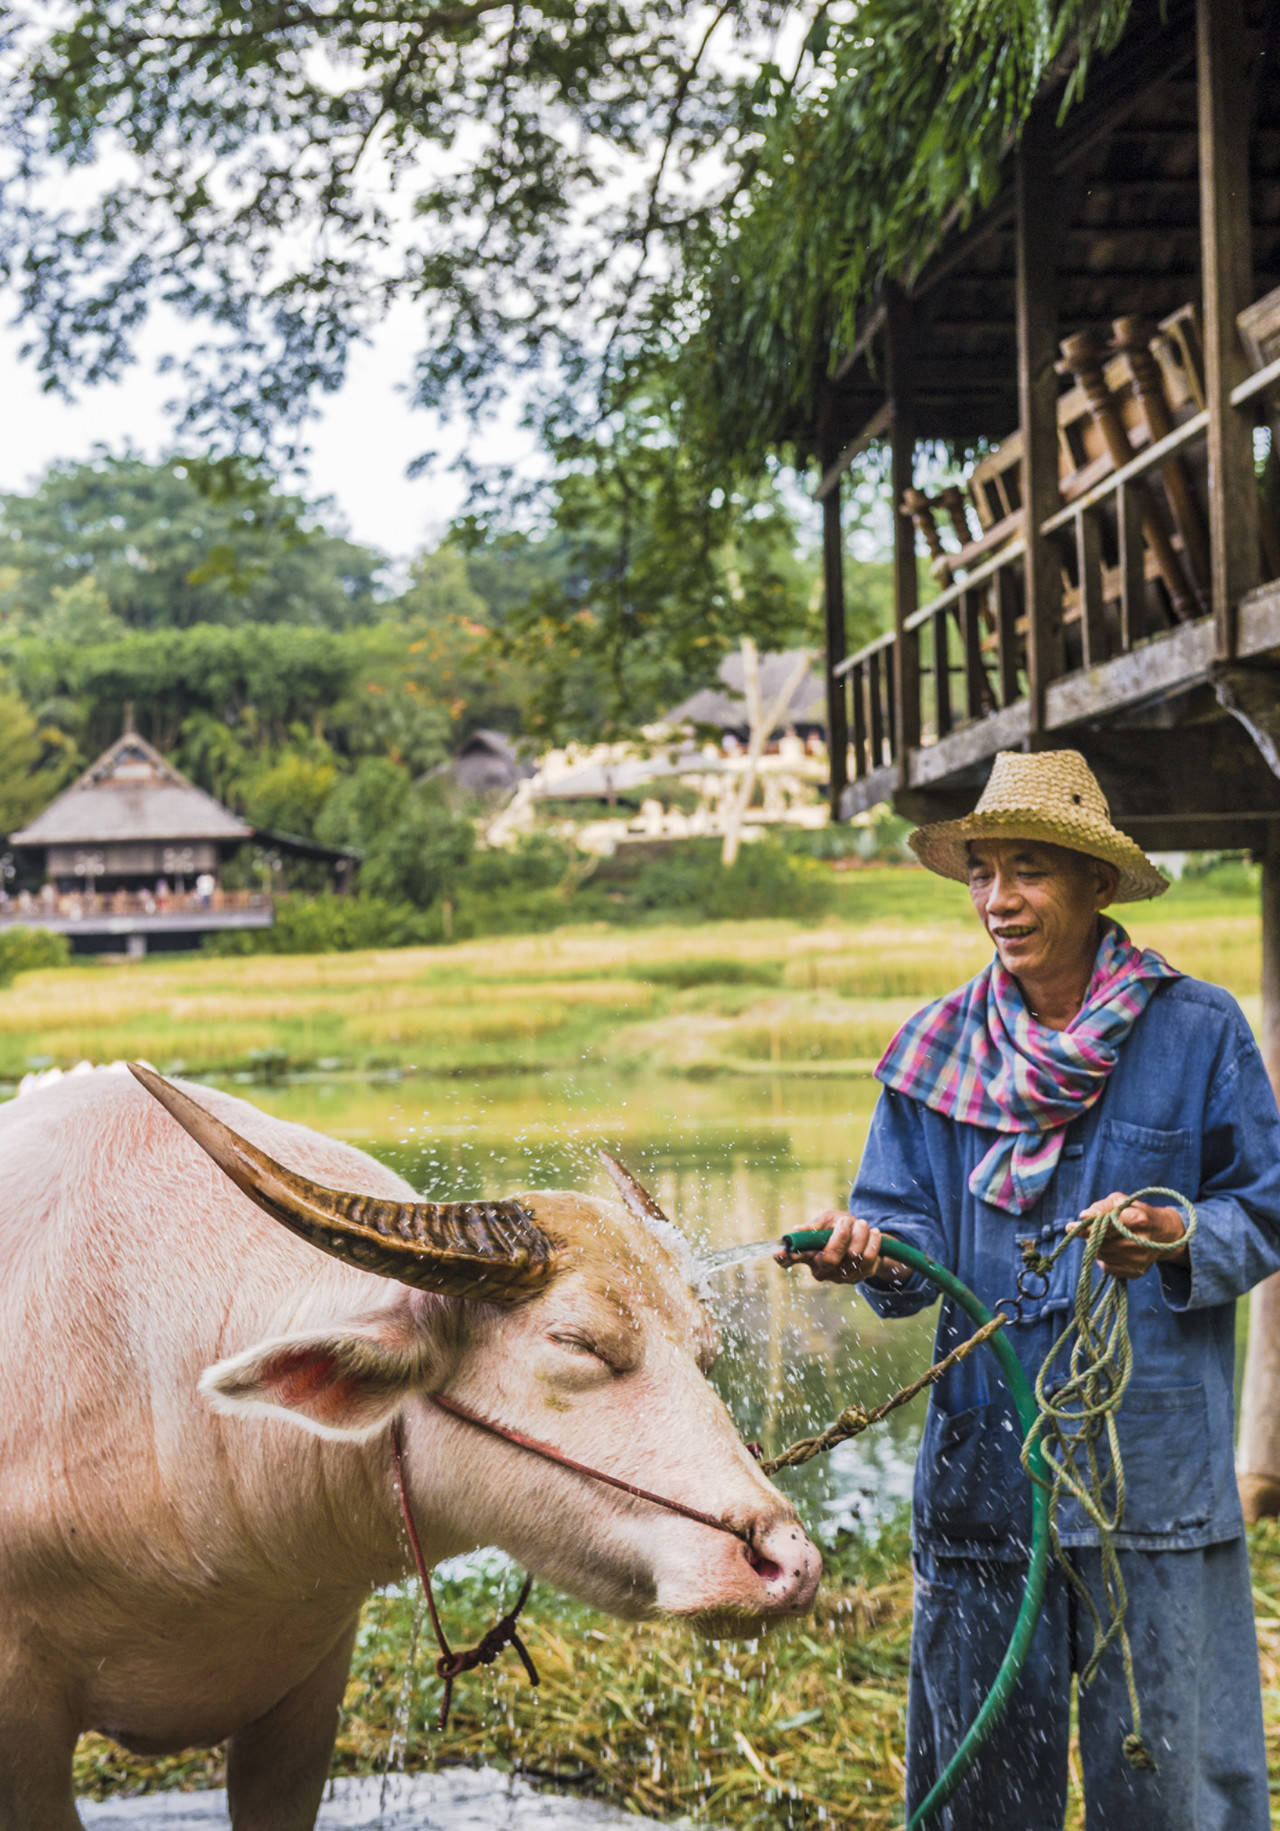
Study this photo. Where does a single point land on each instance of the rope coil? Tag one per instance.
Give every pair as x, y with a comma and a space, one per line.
1074, 1418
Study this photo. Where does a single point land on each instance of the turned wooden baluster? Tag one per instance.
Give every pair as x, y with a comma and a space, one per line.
1082, 358
953, 501
1133, 337
916, 504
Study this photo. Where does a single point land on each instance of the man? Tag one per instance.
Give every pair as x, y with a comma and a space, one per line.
1073, 1070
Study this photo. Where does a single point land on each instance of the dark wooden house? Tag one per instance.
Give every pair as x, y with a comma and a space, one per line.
1105, 335
130, 821
130, 857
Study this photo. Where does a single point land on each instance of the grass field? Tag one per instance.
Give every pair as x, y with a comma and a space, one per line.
721, 998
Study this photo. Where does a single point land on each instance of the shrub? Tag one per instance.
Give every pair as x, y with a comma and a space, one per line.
25, 950
682, 974
538, 862
333, 924
765, 881
422, 858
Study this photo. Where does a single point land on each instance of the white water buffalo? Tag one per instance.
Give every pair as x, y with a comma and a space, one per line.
181, 1563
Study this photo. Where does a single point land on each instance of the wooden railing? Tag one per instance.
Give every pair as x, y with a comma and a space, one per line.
965, 651
75, 906
1078, 532
869, 675
969, 657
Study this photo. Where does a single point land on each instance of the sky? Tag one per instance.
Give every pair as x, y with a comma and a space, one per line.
361, 445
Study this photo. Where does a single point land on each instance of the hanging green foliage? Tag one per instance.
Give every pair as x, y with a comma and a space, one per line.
901, 129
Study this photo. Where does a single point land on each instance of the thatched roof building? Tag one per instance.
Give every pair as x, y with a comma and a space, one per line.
486, 763
131, 817
724, 706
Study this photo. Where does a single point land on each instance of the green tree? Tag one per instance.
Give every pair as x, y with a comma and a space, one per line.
288, 794
420, 859
151, 546
33, 765
556, 161
659, 570
262, 680
365, 804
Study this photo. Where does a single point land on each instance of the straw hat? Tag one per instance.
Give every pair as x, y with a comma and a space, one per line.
1050, 795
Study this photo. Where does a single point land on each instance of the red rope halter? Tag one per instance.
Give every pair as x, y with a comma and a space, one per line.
504, 1632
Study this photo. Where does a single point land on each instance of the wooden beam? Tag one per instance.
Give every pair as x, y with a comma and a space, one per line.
1222, 52
1193, 833
875, 428
1259, 621
1258, 1455
1204, 772
1037, 320
1258, 1449
1162, 666
1004, 730
1252, 696
924, 806
902, 447
869, 792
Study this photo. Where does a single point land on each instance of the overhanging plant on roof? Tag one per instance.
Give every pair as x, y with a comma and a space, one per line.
899, 130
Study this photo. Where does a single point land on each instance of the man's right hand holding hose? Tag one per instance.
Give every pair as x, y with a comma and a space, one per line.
851, 1256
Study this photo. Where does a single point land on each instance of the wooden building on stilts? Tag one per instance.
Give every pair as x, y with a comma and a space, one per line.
1104, 335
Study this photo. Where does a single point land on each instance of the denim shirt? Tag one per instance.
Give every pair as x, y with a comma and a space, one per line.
1187, 1107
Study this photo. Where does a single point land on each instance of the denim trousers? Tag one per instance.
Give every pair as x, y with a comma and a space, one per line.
1190, 1622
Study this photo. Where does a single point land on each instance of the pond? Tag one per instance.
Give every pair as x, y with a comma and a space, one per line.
733, 1160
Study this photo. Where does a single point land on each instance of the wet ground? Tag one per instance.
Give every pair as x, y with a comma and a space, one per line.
461, 1799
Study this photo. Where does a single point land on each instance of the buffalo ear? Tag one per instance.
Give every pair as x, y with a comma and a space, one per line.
344, 1382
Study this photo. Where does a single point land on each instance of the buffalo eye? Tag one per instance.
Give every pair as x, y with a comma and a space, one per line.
582, 1345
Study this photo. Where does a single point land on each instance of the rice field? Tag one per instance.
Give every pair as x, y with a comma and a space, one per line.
723, 998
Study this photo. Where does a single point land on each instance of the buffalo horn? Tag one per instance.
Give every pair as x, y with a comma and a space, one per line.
632, 1190
492, 1252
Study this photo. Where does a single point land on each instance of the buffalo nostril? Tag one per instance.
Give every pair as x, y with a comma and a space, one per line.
765, 1568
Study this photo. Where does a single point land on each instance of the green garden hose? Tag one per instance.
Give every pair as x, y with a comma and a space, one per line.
1033, 1595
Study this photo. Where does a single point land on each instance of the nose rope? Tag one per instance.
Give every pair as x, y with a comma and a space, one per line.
504, 1632
537, 1448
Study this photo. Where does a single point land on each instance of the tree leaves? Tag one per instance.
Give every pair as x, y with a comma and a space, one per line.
281, 172
901, 127
179, 543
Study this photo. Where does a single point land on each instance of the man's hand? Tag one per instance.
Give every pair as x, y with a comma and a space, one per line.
1130, 1258
850, 1256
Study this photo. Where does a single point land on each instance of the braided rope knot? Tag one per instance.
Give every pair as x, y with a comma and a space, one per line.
503, 1633
1039, 1264
495, 1640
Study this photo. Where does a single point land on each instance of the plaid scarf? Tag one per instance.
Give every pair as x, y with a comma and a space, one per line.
979, 1057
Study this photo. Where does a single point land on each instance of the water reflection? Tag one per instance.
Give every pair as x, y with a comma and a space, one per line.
733, 1161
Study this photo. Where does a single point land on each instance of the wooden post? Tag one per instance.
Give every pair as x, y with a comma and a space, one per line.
1258, 1451
833, 618
902, 448
1036, 227
1226, 261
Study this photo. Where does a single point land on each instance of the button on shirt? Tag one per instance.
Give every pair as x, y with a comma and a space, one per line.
1187, 1107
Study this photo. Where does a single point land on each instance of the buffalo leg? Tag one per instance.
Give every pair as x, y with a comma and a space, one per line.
37, 1741
277, 1766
